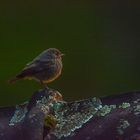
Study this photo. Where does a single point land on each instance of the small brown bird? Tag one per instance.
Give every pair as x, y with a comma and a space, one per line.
45, 68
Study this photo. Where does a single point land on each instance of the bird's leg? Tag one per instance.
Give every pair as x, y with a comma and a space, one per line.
43, 84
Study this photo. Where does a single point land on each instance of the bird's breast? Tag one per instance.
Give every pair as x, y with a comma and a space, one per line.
54, 73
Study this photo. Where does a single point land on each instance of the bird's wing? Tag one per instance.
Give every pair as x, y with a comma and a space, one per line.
34, 67
40, 58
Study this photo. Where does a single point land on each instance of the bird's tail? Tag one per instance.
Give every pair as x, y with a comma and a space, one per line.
13, 80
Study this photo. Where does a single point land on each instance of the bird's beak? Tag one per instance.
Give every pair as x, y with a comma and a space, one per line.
62, 54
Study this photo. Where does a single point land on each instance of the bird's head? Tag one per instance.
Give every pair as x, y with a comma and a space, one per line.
54, 53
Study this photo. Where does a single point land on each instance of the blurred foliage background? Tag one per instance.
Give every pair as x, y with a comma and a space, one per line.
100, 40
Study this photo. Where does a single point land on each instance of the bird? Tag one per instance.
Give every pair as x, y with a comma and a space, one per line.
45, 68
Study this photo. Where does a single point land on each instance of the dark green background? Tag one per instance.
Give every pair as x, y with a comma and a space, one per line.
100, 40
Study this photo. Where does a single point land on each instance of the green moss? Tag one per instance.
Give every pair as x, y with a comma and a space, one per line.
19, 114
137, 110
50, 121
72, 116
123, 124
125, 105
